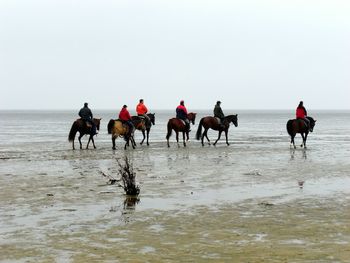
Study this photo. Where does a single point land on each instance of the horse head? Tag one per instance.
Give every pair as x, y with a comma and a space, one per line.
312, 123
152, 118
232, 118
97, 123
192, 117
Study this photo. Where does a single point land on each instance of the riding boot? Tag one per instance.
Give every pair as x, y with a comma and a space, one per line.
188, 127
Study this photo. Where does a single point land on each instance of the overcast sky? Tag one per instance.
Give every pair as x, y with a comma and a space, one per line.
250, 54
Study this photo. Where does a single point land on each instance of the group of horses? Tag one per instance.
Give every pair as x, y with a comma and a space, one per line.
117, 128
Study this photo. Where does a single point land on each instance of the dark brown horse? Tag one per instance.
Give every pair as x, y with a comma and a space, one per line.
80, 126
119, 129
210, 122
148, 124
179, 126
299, 126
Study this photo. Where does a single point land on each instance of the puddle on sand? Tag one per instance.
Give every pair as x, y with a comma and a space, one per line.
195, 204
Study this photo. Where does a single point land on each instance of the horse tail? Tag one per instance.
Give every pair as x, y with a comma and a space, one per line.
199, 131
73, 131
170, 129
290, 127
110, 126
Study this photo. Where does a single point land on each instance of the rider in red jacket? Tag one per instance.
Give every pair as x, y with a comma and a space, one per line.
301, 113
142, 110
181, 113
124, 116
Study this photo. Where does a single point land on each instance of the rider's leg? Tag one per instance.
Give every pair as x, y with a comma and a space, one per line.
187, 122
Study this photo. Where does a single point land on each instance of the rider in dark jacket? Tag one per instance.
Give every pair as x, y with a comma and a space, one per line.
218, 113
86, 115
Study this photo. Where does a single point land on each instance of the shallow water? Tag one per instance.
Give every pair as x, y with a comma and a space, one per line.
237, 203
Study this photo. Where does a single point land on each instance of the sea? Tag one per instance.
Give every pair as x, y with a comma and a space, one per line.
223, 203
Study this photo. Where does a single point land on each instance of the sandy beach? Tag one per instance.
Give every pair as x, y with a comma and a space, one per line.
237, 203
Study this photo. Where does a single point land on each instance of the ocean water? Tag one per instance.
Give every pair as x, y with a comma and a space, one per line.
197, 204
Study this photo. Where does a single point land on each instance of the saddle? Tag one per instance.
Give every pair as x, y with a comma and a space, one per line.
87, 123
303, 121
127, 127
183, 122
187, 125
219, 120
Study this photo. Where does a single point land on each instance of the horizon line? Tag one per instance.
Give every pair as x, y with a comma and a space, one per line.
163, 109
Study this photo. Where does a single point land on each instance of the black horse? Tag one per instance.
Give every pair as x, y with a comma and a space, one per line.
299, 126
210, 122
80, 126
147, 127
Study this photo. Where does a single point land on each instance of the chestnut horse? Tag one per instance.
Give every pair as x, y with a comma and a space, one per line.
80, 126
210, 122
179, 126
119, 129
147, 127
299, 126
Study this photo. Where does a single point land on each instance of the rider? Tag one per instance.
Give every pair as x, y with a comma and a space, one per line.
301, 113
142, 110
125, 117
219, 114
86, 115
181, 113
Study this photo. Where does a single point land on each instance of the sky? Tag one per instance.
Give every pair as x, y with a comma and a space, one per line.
249, 54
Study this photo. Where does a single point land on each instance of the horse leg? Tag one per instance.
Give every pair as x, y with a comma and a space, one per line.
148, 130
113, 142
205, 133
73, 145
168, 133
133, 143
177, 138
143, 133
167, 139
305, 140
79, 138
184, 138
218, 137
127, 143
87, 145
303, 143
93, 141
226, 131
291, 142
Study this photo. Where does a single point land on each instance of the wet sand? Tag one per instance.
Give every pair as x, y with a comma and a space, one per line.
240, 203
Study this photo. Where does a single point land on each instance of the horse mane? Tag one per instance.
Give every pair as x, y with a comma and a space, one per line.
310, 118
